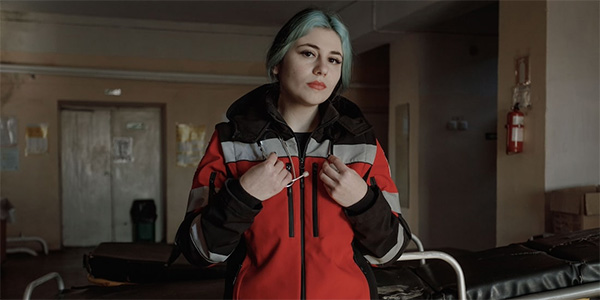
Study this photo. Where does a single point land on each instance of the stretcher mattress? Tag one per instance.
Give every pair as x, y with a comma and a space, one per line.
581, 248
539, 265
128, 262
145, 271
501, 273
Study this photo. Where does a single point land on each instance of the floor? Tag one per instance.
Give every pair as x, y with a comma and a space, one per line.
19, 269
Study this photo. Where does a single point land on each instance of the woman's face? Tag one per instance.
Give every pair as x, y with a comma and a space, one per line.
311, 68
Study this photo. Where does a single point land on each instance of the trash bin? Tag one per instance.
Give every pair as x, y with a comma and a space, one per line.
143, 215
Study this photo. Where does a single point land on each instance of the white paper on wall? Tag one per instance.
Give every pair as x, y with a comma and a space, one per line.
36, 139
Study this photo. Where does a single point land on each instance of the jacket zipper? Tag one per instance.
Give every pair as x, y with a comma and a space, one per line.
315, 208
301, 157
211, 184
290, 195
303, 268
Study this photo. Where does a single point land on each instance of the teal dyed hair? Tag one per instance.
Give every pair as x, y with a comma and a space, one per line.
300, 25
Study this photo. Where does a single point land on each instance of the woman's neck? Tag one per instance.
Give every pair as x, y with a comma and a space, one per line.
299, 117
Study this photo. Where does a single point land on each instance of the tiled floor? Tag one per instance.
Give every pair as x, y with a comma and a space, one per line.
20, 269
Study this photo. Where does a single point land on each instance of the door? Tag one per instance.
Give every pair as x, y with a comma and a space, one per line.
85, 168
110, 157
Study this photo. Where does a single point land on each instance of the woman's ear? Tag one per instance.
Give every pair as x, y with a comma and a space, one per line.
276, 70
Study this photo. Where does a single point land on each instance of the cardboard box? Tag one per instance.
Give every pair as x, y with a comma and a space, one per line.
573, 209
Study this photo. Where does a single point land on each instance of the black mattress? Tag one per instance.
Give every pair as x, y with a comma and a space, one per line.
145, 271
154, 271
539, 265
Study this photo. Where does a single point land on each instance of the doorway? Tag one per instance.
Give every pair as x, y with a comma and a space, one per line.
110, 156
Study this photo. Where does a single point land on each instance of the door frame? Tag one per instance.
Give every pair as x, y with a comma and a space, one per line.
87, 104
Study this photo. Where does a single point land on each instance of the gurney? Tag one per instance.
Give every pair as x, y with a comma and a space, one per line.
563, 266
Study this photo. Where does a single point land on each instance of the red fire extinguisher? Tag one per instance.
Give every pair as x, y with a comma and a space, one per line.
514, 131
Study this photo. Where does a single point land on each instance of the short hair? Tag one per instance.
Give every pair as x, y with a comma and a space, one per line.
298, 26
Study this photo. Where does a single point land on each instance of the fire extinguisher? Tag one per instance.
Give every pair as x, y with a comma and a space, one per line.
514, 131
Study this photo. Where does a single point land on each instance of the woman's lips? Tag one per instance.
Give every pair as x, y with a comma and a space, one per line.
317, 85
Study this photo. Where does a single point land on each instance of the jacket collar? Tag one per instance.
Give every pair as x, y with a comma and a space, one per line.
255, 114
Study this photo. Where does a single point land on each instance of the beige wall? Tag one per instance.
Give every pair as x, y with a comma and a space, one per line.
34, 188
89, 44
404, 88
562, 126
573, 97
93, 43
520, 196
452, 172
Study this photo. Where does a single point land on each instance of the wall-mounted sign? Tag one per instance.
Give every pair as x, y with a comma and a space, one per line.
191, 144
8, 131
36, 139
9, 159
122, 149
135, 126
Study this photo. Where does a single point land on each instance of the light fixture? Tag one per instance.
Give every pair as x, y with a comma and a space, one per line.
112, 92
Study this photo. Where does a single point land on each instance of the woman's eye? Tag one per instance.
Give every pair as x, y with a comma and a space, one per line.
335, 61
308, 53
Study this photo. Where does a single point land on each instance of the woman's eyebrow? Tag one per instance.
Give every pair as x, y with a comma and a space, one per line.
317, 47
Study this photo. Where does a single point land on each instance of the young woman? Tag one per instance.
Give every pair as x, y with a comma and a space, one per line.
294, 192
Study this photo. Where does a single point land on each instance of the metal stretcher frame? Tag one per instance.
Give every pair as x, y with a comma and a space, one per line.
32, 285
25, 249
423, 255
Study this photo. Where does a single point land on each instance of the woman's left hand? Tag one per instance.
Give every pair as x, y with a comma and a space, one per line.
342, 183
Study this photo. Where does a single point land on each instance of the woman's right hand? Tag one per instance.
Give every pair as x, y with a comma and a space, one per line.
266, 179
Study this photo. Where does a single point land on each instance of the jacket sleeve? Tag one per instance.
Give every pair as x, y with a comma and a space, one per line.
380, 232
218, 212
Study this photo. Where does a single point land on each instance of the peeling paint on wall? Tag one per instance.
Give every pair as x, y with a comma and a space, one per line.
9, 84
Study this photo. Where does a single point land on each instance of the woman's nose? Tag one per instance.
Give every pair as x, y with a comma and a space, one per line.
320, 68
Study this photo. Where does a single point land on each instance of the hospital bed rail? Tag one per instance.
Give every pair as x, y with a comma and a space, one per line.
27, 250
37, 282
423, 255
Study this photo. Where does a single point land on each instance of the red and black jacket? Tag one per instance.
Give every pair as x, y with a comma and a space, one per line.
300, 244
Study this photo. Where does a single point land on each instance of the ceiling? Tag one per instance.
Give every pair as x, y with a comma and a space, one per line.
251, 13
371, 23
